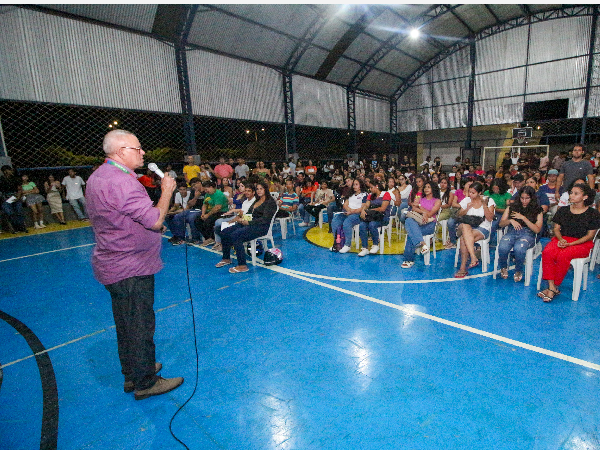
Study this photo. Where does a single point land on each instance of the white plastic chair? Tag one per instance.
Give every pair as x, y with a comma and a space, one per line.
429, 240
321, 217
530, 256
580, 270
485, 253
595, 254
283, 224
265, 238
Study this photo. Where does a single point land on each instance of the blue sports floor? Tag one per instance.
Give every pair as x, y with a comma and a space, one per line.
325, 351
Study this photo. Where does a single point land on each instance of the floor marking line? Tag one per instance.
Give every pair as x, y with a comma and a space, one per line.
57, 347
45, 253
450, 323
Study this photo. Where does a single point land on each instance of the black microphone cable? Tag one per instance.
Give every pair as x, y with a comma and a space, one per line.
187, 271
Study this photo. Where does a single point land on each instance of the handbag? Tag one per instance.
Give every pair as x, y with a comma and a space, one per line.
417, 217
473, 221
373, 216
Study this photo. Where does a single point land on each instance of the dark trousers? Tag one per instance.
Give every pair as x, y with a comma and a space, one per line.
207, 226
133, 311
14, 212
236, 236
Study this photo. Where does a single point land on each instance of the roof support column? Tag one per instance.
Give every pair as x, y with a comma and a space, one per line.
351, 110
393, 126
471, 100
589, 74
290, 123
184, 82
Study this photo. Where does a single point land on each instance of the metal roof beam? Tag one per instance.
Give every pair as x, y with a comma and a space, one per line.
463, 23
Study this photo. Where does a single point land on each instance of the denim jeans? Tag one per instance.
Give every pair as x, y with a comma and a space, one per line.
414, 235
331, 208
14, 211
517, 241
179, 221
495, 222
348, 222
452, 230
78, 205
369, 227
304, 214
218, 223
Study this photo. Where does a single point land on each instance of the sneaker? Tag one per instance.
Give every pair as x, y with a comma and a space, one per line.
177, 241
162, 386
407, 264
303, 224
363, 252
36, 226
42, 225
128, 385
345, 249
374, 250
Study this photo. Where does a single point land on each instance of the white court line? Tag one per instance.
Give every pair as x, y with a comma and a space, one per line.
413, 312
45, 253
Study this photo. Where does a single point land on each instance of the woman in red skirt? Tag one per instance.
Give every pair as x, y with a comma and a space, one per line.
574, 228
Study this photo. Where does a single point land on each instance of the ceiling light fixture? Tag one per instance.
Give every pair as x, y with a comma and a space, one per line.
415, 33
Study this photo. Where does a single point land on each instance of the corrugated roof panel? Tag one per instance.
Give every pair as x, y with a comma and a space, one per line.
492, 113
420, 48
567, 74
445, 26
500, 84
234, 37
311, 61
507, 49
372, 114
319, 104
451, 91
398, 63
386, 24
457, 64
331, 33
137, 16
74, 62
408, 11
343, 71
559, 39
476, 16
415, 97
248, 91
362, 47
380, 82
290, 18
506, 11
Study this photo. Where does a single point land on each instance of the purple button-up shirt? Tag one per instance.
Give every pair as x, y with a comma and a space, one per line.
122, 214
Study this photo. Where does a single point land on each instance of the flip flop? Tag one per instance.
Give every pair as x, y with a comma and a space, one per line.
222, 264
236, 270
474, 264
461, 274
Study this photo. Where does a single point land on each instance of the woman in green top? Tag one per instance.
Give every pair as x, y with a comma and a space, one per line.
33, 198
500, 195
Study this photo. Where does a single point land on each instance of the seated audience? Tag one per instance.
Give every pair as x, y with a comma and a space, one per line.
33, 199
475, 205
350, 216
574, 228
375, 213
428, 206
524, 219
214, 205
239, 210
53, 190
254, 224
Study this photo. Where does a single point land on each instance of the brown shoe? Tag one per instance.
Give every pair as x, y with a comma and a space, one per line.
162, 386
128, 385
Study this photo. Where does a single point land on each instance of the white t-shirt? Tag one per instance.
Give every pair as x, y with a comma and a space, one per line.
241, 170
356, 201
247, 204
405, 193
74, 187
182, 201
486, 224
391, 192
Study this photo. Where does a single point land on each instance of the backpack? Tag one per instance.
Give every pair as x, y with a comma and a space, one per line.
338, 240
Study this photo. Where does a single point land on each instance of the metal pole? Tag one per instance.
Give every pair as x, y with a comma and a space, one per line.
471, 100
3, 151
589, 74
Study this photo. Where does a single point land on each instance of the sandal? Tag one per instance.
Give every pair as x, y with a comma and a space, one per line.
236, 270
518, 276
424, 249
461, 274
449, 245
546, 295
474, 264
222, 264
504, 273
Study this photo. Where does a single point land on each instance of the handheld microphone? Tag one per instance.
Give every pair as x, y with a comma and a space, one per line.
154, 168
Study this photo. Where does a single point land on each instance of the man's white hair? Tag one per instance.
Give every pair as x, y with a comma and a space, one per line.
112, 140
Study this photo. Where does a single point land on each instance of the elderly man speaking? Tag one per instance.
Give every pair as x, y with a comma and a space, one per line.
127, 255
